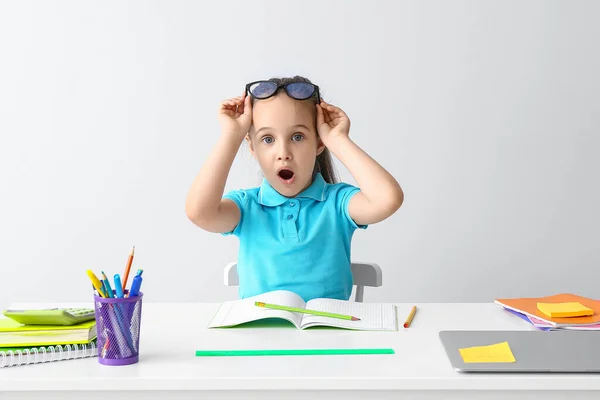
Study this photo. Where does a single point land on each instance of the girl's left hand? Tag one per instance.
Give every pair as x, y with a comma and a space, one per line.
332, 122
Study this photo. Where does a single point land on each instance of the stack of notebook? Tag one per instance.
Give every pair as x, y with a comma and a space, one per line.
30, 344
558, 312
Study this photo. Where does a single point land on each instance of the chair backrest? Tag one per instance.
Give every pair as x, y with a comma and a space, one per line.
363, 274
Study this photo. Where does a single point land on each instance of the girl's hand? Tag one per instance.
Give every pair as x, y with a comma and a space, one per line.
235, 116
332, 122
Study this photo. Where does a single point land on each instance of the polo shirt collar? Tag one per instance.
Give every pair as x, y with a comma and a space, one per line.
270, 197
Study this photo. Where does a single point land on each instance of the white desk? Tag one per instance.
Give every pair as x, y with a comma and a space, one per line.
169, 369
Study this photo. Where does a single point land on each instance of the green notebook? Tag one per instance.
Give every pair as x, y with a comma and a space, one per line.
14, 334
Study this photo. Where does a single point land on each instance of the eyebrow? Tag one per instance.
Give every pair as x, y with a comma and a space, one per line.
295, 126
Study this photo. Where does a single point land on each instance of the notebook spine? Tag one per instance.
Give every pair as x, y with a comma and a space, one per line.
37, 355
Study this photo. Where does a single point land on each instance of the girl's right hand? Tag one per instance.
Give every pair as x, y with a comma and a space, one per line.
235, 116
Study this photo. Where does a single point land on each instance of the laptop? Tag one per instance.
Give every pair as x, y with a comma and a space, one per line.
534, 351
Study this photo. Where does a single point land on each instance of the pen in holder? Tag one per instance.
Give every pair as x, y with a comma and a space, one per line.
118, 323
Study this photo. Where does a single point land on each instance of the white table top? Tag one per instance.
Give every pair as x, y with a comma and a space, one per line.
172, 332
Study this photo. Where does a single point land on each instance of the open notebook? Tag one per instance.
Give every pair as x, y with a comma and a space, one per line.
373, 316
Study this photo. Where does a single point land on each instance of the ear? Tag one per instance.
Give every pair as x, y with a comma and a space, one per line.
250, 146
320, 146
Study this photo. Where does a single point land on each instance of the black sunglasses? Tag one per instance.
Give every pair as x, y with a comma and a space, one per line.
296, 90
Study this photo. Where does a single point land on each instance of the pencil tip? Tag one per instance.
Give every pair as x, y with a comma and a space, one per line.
355, 319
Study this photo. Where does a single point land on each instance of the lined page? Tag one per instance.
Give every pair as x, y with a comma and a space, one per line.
241, 311
373, 316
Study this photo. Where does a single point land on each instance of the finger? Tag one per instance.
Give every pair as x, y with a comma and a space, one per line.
247, 107
226, 106
326, 116
336, 112
341, 113
331, 107
227, 111
244, 107
240, 103
327, 105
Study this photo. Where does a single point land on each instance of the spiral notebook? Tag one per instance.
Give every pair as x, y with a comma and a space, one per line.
17, 356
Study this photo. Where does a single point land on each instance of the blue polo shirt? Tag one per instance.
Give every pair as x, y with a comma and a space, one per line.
300, 244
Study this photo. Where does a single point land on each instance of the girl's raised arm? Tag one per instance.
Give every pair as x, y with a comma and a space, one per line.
380, 194
204, 205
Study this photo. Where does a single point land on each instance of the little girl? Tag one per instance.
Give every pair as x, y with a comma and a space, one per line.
295, 229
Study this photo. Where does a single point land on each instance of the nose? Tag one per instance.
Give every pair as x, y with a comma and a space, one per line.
284, 152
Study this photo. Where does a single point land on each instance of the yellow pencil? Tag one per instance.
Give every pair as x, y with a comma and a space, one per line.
410, 317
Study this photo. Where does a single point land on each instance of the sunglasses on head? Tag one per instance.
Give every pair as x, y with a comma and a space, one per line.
296, 90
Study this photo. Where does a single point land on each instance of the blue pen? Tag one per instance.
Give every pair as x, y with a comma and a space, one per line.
118, 310
135, 286
118, 286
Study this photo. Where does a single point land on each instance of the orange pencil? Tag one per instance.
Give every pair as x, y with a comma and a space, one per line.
410, 317
129, 261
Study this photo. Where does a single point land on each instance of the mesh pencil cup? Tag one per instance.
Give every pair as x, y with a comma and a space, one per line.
118, 323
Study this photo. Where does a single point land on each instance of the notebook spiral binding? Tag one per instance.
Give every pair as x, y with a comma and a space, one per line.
37, 355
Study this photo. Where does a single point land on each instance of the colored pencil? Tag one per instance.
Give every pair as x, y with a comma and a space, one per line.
129, 261
305, 311
410, 317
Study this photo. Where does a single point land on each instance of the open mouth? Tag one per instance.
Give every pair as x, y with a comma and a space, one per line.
286, 175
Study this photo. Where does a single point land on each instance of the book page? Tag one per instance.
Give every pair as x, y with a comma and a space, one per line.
241, 311
373, 316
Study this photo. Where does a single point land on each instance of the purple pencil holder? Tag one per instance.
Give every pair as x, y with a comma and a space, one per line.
118, 322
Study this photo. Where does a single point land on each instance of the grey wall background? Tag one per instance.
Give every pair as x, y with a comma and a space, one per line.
487, 112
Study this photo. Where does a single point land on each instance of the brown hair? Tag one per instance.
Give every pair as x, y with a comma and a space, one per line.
324, 161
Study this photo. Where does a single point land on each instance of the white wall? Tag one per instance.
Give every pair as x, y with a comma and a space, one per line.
487, 112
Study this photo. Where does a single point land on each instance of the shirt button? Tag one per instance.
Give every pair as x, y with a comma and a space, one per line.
292, 204
290, 216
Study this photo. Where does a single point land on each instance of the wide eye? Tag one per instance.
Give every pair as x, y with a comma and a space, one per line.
267, 139
297, 137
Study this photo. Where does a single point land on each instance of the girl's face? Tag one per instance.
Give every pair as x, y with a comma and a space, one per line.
284, 141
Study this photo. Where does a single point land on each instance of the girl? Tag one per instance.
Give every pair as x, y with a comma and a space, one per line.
295, 229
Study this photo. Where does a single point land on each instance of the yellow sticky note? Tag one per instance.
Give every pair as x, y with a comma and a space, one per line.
494, 353
569, 309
